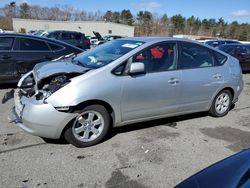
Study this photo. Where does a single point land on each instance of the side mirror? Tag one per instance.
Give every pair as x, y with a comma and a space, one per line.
136, 68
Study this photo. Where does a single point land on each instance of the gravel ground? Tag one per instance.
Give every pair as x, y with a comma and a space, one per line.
153, 154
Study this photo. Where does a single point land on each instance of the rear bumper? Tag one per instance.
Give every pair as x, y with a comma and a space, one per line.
39, 119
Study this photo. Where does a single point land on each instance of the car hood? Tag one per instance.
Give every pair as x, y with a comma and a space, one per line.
50, 68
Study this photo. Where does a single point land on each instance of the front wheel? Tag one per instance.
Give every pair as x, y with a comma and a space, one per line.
222, 104
89, 127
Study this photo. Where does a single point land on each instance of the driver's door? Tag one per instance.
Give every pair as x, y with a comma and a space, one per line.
157, 92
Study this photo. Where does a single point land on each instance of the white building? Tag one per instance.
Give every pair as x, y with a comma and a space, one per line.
87, 27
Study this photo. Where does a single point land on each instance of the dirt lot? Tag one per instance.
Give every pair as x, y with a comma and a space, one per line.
154, 154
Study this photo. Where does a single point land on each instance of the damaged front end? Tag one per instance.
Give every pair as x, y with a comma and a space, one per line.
46, 78
32, 112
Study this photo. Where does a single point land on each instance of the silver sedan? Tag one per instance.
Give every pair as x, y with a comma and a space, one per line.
122, 82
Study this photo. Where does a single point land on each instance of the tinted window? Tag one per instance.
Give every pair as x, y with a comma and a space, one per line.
195, 56
77, 36
241, 50
55, 47
227, 49
52, 35
248, 50
6, 43
220, 59
31, 44
65, 36
158, 58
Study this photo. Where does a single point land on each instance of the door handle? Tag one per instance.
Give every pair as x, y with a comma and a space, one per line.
173, 81
217, 76
6, 56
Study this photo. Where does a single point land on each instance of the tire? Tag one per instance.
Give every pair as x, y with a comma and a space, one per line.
89, 127
221, 104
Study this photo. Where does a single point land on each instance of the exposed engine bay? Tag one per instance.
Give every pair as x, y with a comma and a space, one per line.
44, 88
48, 77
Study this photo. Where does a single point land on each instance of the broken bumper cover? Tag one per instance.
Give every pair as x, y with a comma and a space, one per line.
39, 119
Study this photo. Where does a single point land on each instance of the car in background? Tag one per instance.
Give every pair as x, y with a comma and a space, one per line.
239, 51
215, 43
122, 82
20, 53
71, 37
97, 39
232, 172
111, 37
38, 33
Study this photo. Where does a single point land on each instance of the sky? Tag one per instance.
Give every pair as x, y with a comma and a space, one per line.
229, 10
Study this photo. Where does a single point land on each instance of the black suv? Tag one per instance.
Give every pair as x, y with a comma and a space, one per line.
71, 37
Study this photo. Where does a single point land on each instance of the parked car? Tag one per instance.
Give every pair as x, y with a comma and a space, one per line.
215, 43
232, 172
239, 51
20, 53
97, 39
38, 33
71, 37
122, 82
112, 37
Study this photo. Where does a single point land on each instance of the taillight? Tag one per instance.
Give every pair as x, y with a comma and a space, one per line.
86, 41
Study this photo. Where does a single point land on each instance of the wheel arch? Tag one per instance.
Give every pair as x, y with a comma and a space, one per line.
220, 90
91, 102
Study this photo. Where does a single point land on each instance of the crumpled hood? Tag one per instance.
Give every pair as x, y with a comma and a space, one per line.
46, 69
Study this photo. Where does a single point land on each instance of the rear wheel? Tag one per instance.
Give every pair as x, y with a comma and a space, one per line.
89, 127
222, 104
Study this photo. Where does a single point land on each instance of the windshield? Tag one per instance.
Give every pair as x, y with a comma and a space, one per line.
106, 53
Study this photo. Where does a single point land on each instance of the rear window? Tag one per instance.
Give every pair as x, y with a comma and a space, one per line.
219, 58
55, 47
6, 43
33, 45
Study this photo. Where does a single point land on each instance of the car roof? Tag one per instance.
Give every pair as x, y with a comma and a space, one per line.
64, 31
235, 44
222, 40
160, 39
37, 37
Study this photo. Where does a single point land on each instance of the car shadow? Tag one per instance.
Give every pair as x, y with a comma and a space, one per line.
170, 122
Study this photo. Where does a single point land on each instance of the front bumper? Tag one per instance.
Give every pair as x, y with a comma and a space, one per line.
38, 118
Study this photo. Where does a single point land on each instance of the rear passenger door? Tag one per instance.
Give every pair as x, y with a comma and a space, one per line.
200, 77
29, 52
7, 60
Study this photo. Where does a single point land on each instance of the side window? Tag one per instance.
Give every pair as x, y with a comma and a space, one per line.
161, 57
248, 50
195, 56
65, 36
119, 70
6, 43
77, 36
55, 47
33, 45
219, 58
52, 35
